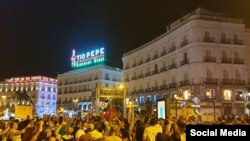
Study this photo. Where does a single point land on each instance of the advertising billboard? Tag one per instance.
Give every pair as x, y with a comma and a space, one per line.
161, 109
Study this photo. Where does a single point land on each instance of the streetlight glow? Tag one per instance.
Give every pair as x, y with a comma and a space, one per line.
121, 86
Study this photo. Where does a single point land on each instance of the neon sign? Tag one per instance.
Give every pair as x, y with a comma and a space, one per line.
88, 58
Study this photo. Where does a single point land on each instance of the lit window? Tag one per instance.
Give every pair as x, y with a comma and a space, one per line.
209, 93
186, 95
227, 95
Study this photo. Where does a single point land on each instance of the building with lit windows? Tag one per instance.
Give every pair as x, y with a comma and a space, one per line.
203, 55
40, 89
78, 85
89, 72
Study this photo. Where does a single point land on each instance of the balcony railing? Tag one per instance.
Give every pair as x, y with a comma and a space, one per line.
155, 56
184, 62
209, 59
140, 91
239, 82
147, 60
208, 39
147, 74
140, 76
183, 43
163, 69
134, 65
154, 72
172, 66
133, 92
184, 83
134, 78
238, 42
210, 81
226, 60
172, 85
163, 53
225, 41
238, 61
227, 81
156, 88
140, 62
148, 90
163, 87
173, 48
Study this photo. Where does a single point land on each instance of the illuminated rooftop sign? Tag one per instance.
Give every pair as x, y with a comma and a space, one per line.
87, 59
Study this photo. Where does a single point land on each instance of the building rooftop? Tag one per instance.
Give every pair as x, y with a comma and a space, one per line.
90, 69
28, 79
197, 14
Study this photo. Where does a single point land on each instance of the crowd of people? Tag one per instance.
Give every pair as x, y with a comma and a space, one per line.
99, 128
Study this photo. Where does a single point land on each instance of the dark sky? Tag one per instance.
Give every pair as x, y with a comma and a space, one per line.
37, 36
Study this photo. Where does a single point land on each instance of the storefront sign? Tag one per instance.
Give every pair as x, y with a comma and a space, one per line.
87, 59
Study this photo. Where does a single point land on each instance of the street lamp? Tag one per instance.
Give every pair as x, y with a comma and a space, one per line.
176, 104
214, 102
75, 102
121, 86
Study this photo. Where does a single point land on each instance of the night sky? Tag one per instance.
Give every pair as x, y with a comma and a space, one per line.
37, 36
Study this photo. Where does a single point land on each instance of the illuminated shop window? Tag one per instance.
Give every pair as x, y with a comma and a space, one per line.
186, 95
210, 94
227, 94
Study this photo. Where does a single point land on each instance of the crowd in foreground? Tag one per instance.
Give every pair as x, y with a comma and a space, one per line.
112, 128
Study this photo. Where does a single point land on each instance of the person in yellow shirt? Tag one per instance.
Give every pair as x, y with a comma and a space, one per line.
151, 131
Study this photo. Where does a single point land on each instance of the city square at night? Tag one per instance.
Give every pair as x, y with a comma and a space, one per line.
124, 70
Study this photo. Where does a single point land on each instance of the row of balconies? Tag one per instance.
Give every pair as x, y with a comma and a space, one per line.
206, 59
224, 41
236, 98
71, 102
224, 81
173, 66
188, 82
43, 97
86, 80
204, 99
225, 60
147, 74
29, 89
75, 91
183, 43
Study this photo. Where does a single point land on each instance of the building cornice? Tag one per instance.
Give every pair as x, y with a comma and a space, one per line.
198, 14
90, 69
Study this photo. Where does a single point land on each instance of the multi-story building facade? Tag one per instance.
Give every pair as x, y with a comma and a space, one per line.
75, 87
41, 90
203, 54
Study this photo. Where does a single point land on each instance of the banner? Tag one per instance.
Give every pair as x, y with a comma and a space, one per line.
23, 111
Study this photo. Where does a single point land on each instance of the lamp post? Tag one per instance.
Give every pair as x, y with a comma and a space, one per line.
122, 87
176, 104
214, 101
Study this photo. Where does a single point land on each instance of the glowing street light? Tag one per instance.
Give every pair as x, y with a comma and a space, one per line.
122, 87
4, 97
75, 102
